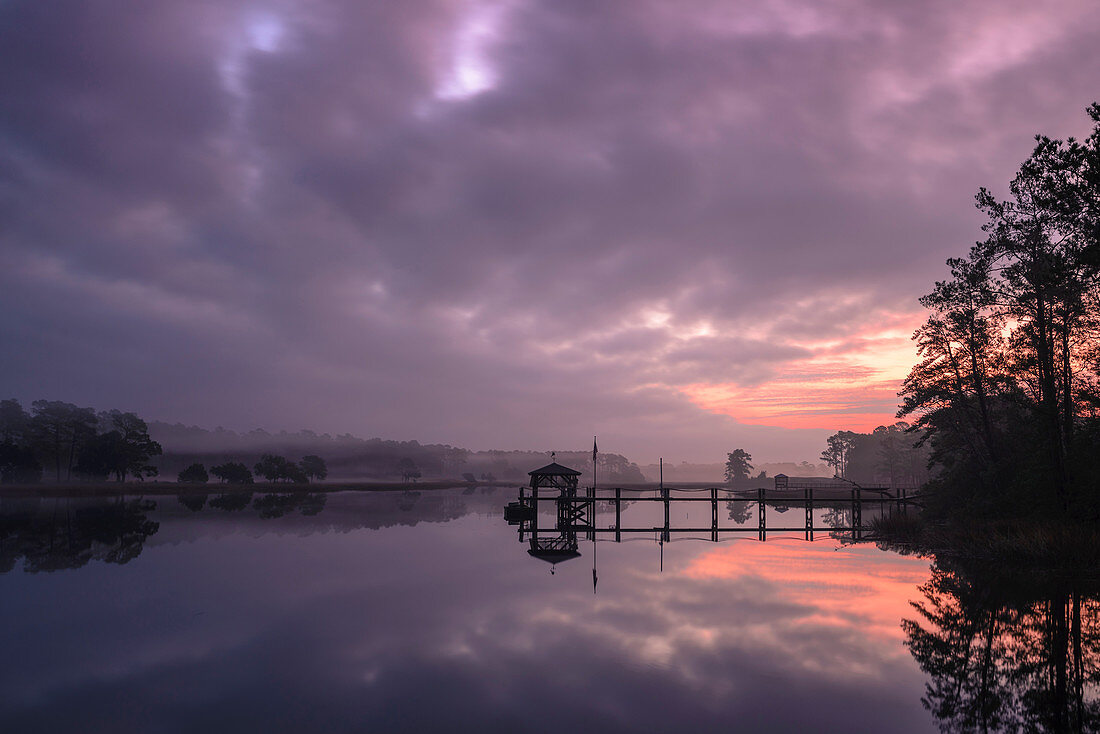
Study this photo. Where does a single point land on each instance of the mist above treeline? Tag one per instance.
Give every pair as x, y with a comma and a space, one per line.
58, 442
351, 458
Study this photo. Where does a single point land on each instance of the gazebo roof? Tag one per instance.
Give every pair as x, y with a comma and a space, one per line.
554, 556
554, 470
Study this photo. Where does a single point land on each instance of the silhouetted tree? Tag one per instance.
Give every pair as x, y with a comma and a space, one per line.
613, 468
124, 450
738, 466
407, 468
1009, 368
18, 465
15, 423
59, 431
313, 467
295, 474
232, 472
271, 467
275, 468
194, 474
837, 450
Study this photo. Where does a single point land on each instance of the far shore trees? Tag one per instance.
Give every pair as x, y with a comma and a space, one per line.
232, 472
313, 467
889, 455
123, 450
72, 442
836, 452
61, 429
275, 468
194, 474
408, 470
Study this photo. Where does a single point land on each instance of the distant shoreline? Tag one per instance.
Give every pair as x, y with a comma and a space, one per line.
171, 489
112, 489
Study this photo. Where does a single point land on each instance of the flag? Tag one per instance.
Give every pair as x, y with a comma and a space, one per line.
593, 449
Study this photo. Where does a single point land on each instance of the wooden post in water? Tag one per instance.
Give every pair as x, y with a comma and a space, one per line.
521, 504
665, 497
535, 514
760, 511
809, 513
618, 514
591, 492
714, 514
857, 513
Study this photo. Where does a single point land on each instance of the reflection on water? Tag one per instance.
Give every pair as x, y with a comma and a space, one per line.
1007, 652
66, 536
419, 611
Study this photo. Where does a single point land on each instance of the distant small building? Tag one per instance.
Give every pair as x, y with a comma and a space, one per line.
782, 481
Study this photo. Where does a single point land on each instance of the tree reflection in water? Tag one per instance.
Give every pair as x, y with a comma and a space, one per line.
1007, 652
70, 536
55, 535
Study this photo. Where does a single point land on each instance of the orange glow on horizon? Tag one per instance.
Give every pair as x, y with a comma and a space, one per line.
846, 386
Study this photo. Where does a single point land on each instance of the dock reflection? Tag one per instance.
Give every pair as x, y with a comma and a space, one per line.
841, 513
1004, 649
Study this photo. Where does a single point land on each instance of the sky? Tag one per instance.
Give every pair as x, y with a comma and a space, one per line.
683, 227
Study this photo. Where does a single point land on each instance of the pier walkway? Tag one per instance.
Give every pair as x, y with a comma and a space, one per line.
575, 511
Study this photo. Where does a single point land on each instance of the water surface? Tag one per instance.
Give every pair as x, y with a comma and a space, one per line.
352, 612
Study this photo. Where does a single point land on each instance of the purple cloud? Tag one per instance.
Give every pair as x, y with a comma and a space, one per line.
502, 224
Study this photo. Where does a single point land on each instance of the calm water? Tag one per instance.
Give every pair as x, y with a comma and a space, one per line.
424, 612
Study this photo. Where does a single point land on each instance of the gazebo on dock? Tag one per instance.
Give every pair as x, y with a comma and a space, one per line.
554, 476
571, 513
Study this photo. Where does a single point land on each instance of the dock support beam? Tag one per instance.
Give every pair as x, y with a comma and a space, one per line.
714, 514
590, 492
760, 512
857, 514
665, 495
809, 513
618, 515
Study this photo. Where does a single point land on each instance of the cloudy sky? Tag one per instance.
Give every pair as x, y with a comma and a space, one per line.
683, 226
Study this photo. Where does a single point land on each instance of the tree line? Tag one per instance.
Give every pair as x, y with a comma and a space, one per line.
1007, 391
351, 458
889, 455
65, 442
271, 467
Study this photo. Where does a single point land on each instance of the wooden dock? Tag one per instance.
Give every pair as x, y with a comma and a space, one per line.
576, 510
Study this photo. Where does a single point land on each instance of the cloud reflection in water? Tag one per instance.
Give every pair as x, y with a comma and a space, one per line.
349, 621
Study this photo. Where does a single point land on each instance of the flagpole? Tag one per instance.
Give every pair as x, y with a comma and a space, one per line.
593, 514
